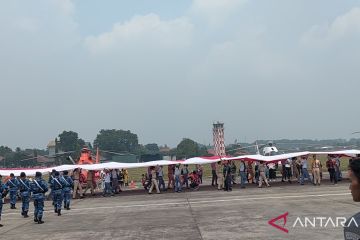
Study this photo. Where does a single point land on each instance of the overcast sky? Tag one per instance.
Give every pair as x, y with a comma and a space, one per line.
168, 69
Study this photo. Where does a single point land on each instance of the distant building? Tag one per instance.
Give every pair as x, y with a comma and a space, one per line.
165, 150
52, 148
167, 153
219, 139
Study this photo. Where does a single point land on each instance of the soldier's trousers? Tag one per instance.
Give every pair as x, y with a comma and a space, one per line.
154, 184
58, 197
77, 185
317, 178
67, 197
263, 178
39, 207
220, 181
25, 199
228, 183
13, 197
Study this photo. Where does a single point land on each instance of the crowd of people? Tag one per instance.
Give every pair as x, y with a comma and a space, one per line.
179, 177
259, 172
64, 186
226, 173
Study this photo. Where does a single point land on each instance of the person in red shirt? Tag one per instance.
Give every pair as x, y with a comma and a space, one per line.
194, 180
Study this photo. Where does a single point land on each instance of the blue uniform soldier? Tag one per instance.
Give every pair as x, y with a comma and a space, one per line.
51, 177
57, 190
12, 185
38, 188
24, 187
3, 192
67, 187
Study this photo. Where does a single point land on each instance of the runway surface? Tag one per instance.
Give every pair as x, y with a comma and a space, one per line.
205, 214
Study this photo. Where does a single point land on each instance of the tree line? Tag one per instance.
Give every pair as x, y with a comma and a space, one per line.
108, 140
125, 142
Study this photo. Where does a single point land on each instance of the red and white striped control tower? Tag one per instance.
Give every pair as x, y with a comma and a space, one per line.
219, 139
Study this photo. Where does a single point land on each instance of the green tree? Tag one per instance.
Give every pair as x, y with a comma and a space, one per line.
18, 158
152, 148
203, 151
69, 141
117, 141
188, 148
5, 150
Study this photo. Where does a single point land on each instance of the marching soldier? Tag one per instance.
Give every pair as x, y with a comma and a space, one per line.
24, 187
3, 192
12, 185
68, 185
38, 188
51, 177
57, 189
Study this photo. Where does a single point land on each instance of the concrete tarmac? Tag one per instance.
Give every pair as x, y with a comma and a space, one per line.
205, 214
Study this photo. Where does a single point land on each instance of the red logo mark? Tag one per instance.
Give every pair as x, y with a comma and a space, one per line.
283, 216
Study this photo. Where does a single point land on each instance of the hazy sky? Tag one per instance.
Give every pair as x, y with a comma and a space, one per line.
168, 69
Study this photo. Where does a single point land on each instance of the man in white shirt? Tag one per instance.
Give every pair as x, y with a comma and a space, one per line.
107, 180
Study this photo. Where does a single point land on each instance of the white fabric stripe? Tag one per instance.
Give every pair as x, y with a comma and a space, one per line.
195, 160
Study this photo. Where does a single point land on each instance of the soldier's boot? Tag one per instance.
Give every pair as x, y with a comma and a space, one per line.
40, 221
12, 206
22, 213
59, 212
1, 225
26, 214
68, 207
35, 219
55, 210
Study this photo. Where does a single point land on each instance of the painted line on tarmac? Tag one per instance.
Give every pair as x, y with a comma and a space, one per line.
200, 202
270, 197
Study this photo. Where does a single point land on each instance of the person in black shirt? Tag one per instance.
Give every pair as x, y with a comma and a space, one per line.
227, 176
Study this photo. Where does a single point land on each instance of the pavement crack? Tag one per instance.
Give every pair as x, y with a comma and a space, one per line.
193, 216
